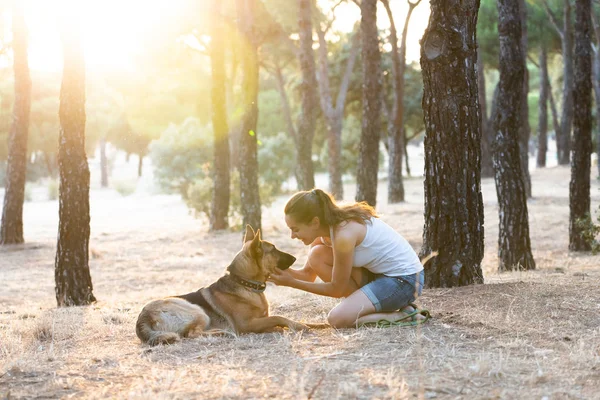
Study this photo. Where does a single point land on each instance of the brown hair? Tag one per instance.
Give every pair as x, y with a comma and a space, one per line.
305, 205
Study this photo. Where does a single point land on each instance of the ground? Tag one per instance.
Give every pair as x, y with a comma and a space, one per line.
520, 335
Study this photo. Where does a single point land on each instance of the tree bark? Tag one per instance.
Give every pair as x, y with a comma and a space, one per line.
308, 90
453, 199
11, 230
514, 248
487, 167
579, 188
368, 159
72, 273
543, 111
525, 130
248, 152
596, 84
221, 180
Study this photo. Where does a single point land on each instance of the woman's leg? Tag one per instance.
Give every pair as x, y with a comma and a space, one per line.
384, 298
351, 310
358, 309
320, 260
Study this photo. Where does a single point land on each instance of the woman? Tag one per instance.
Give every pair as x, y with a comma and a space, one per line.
357, 256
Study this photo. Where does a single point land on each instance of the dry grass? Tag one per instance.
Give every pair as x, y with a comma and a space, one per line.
521, 335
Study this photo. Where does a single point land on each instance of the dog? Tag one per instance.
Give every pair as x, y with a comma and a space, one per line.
235, 303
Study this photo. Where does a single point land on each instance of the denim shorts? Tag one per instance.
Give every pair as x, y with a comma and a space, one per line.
391, 293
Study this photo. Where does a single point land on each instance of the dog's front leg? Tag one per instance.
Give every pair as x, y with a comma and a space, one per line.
265, 324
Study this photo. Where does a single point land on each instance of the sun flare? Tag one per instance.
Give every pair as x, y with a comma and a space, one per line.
112, 31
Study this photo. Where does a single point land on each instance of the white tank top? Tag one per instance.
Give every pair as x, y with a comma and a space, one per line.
385, 251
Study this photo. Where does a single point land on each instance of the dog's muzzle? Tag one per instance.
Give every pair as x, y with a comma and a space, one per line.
285, 260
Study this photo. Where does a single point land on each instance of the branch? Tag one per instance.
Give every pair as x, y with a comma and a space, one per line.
596, 27
531, 60
343, 91
552, 18
332, 20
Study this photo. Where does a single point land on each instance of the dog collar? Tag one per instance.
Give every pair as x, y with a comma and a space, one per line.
256, 286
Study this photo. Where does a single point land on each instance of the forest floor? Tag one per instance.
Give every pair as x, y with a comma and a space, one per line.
526, 335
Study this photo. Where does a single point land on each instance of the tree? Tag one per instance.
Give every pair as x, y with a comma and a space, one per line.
308, 89
368, 160
543, 110
334, 113
514, 248
524, 125
596, 83
579, 188
396, 122
72, 272
563, 140
248, 164
221, 181
11, 231
453, 201
487, 167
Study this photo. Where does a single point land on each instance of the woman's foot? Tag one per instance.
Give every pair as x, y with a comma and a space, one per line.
409, 309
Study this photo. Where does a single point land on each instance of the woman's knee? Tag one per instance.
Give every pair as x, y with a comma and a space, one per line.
339, 318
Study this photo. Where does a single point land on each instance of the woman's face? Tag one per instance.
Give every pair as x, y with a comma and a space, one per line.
307, 233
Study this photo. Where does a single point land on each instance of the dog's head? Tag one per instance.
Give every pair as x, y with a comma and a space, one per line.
259, 258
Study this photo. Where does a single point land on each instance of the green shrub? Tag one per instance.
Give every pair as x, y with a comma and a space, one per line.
53, 188
181, 156
276, 162
125, 187
182, 160
590, 231
199, 196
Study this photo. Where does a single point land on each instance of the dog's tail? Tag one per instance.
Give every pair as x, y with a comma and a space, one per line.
429, 257
143, 329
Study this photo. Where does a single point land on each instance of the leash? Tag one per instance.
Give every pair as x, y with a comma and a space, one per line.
412, 321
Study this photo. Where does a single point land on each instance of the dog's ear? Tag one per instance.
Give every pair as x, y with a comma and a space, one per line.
256, 243
249, 235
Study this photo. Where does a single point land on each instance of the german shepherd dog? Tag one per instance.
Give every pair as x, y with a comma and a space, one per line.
234, 303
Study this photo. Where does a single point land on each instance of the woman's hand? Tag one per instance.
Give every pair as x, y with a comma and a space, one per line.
281, 278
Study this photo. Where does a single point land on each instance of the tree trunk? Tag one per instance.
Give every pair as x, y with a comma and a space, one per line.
453, 200
334, 113
50, 162
248, 153
555, 122
579, 189
103, 164
543, 111
405, 142
140, 164
525, 130
308, 90
368, 158
514, 248
11, 231
567, 106
596, 85
395, 128
487, 168
72, 273
285, 103
221, 179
